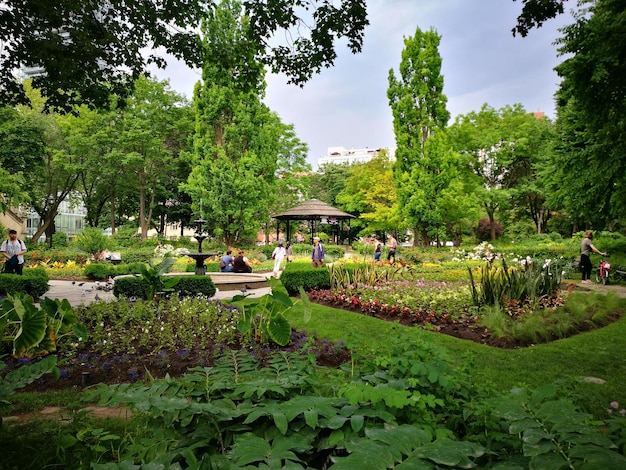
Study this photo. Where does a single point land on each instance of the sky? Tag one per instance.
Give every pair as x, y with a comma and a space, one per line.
347, 105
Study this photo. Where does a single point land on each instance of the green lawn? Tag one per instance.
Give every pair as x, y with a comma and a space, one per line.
599, 353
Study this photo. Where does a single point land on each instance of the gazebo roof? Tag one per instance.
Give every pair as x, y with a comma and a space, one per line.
313, 209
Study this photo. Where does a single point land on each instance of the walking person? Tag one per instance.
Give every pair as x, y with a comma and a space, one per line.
586, 248
378, 250
289, 251
317, 256
13, 251
278, 255
393, 245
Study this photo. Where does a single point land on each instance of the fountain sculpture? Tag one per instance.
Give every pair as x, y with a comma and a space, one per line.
200, 235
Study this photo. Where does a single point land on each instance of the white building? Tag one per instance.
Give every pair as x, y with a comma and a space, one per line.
341, 155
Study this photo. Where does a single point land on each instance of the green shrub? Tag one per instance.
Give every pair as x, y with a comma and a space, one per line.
135, 286
302, 274
97, 271
195, 285
130, 287
211, 267
91, 240
34, 282
101, 271
59, 239
138, 255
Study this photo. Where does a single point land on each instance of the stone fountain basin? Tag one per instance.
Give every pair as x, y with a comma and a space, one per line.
232, 281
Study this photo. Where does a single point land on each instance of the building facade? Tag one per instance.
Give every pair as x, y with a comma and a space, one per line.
342, 155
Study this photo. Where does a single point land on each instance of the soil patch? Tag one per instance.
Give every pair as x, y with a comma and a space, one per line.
89, 368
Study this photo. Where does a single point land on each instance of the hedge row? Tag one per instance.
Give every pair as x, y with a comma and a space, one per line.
135, 287
33, 281
302, 274
100, 271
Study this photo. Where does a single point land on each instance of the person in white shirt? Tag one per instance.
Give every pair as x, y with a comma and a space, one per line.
278, 255
13, 251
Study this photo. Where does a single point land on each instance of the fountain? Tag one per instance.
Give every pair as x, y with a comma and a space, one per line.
200, 235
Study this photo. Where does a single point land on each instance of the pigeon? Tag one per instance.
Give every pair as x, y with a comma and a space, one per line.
97, 297
73, 282
80, 284
248, 287
243, 290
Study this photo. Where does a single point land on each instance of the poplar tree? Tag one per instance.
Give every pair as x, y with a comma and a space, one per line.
419, 111
237, 137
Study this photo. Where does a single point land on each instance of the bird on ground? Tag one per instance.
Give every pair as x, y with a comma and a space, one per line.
248, 287
97, 297
80, 284
73, 282
243, 290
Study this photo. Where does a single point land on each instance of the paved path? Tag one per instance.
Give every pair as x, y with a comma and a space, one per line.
83, 293
618, 290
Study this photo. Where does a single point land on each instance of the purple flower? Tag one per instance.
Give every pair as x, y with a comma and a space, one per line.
614, 404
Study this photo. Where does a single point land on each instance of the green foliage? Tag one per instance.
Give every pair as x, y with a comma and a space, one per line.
178, 325
126, 236
499, 285
153, 280
551, 432
264, 320
300, 274
59, 240
131, 287
25, 375
195, 285
542, 325
91, 240
31, 330
98, 271
104, 270
33, 281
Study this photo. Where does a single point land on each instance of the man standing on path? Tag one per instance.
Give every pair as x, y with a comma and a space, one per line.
13, 251
317, 257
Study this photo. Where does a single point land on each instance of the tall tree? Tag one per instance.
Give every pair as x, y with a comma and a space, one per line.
419, 110
370, 194
153, 130
329, 181
21, 153
237, 138
594, 87
91, 49
505, 148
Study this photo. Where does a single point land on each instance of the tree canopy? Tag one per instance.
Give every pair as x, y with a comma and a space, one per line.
91, 50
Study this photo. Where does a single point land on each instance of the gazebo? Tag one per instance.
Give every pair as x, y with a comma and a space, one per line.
316, 213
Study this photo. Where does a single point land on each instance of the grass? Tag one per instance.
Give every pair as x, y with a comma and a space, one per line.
598, 353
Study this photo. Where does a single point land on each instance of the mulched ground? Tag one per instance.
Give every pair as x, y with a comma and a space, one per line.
89, 368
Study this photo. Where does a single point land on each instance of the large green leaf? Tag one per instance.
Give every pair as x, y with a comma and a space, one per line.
306, 305
279, 329
32, 327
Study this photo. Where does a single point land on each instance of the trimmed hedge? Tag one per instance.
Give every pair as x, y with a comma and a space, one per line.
134, 286
302, 274
211, 267
101, 271
33, 281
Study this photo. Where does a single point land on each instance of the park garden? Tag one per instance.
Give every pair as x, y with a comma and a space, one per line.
356, 365
488, 354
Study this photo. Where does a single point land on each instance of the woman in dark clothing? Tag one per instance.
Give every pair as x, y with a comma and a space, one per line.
241, 264
586, 248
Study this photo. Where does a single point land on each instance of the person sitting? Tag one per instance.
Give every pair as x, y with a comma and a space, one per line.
226, 263
241, 264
